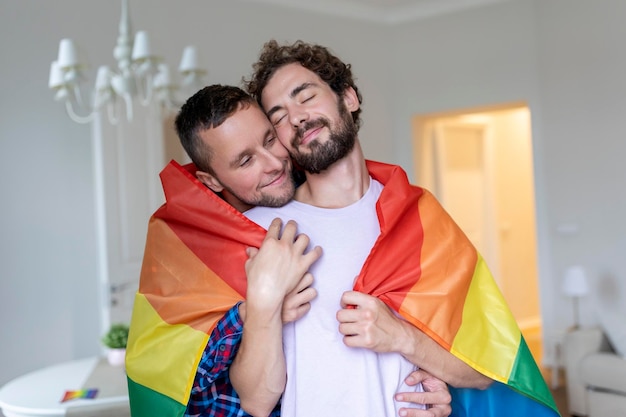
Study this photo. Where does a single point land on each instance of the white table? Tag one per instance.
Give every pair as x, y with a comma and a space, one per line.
39, 393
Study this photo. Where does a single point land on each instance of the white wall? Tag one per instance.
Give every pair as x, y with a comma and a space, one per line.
564, 57
582, 62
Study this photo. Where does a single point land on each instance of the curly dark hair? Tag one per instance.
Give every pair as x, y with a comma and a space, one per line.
315, 58
207, 109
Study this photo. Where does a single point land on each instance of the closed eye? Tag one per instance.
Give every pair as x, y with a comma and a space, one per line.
246, 160
270, 141
277, 121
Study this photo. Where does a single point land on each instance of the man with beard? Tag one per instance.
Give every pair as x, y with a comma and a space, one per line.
413, 267
337, 358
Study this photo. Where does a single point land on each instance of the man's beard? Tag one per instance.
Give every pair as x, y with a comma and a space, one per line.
323, 155
266, 200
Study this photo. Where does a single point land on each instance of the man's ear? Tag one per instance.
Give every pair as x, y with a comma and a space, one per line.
210, 181
351, 100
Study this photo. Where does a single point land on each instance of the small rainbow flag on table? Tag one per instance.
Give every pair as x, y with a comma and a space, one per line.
422, 266
81, 393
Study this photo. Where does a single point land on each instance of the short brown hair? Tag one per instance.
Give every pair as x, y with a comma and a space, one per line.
207, 109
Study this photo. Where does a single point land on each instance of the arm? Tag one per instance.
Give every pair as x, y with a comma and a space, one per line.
212, 390
374, 326
212, 373
258, 372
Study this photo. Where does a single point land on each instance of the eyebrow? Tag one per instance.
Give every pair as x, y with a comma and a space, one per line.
234, 163
293, 94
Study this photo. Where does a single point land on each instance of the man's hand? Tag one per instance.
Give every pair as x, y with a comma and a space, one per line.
436, 396
367, 322
279, 265
298, 302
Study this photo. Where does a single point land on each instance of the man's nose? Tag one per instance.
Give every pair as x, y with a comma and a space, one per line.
273, 162
298, 117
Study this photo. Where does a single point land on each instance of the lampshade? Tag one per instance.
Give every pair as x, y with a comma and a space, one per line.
575, 282
189, 61
56, 75
68, 57
103, 79
141, 46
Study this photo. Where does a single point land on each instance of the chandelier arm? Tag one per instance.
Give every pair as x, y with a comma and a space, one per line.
128, 99
77, 93
113, 118
145, 89
75, 117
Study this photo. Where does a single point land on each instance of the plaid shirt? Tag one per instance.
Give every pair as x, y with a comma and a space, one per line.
212, 393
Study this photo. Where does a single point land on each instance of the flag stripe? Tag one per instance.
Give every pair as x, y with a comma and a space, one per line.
442, 270
149, 403
194, 295
497, 401
494, 359
152, 362
524, 376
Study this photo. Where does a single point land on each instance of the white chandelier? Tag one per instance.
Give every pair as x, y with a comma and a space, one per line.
140, 76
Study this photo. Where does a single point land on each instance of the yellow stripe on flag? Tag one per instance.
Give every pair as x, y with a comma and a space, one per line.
165, 356
496, 358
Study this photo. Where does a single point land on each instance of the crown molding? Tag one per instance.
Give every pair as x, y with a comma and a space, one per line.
380, 11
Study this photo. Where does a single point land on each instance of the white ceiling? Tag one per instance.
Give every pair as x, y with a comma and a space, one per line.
382, 11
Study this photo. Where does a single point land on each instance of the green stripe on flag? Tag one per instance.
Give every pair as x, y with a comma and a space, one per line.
145, 402
526, 377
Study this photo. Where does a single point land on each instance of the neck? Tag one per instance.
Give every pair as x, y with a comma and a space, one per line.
343, 183
239, 205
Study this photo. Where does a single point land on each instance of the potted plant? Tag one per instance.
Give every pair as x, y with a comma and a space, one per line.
115, 339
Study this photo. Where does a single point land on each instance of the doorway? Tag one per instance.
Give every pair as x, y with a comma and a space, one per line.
478, 163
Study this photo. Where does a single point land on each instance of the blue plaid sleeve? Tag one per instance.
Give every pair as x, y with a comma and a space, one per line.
212, 393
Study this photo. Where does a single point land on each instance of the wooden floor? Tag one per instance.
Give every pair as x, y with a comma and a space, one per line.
559, 393
561, 400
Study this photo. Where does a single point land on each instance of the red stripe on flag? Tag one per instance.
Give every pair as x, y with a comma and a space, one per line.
212, 229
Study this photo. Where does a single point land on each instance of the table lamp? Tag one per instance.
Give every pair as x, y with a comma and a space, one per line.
575, 286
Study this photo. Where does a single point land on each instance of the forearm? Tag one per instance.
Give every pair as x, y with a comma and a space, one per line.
274, 270
424, 352
373, 325
258, 372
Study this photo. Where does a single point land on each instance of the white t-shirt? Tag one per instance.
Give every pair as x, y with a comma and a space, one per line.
325, 376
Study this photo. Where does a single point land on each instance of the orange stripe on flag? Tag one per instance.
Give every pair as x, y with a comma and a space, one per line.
447, 261
179, 286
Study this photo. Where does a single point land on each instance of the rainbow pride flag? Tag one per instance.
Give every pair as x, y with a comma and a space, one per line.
89, 394
422, 266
